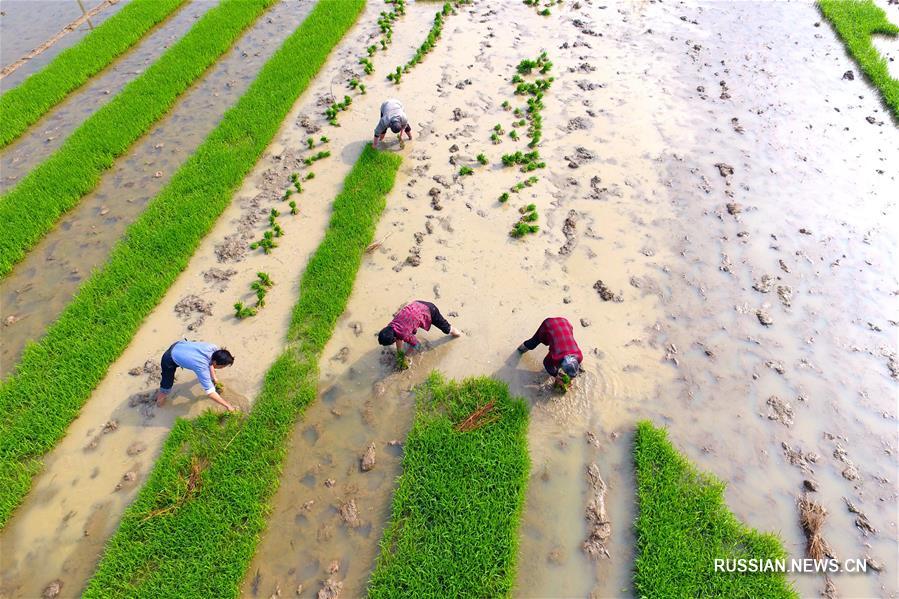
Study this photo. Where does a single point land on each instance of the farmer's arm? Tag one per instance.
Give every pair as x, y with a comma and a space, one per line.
408, 132
212, 374
380, 132
214, 396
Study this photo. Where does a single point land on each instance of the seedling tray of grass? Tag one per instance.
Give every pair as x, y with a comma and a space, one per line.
856, 22
453, 531
57, 374
683, 525
31, 208
201, 546
23, 105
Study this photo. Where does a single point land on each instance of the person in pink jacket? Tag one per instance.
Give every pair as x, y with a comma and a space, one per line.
413, 316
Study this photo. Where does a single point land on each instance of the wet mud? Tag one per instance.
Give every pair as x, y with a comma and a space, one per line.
744, 223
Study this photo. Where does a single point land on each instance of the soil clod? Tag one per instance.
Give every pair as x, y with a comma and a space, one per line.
605, 293
600, 526
368, 458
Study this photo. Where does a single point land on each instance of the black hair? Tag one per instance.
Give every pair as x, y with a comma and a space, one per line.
396, 126
222, 357
387, 335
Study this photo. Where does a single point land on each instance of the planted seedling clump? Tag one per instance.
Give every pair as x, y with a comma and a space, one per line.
402, 361
523, 226
241, 311
563, 383
466, 170
482, 159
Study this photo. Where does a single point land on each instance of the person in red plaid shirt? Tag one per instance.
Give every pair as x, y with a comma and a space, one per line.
564, 354
413, 316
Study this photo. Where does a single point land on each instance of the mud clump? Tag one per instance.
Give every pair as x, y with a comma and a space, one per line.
781, 411
367, 461
232, 249
152, 369
190, 305
218, 277
569, 229
724, 169
330, 589
349, 513
306, 123
605, 293
52, 590
797, 457
861, 520
136, 448
600, 526
578, 124
580, 157
734, 208
764, 317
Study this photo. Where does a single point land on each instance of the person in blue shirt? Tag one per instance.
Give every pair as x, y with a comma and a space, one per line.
203, 359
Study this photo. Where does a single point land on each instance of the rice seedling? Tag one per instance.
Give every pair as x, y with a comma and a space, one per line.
32, 208
264, 279
396, 76
466, 170
513, 134
402, 361
504, 197
523, 226
367, 65
324, 139
467, 447
102, 318
495, 138
24, 104
856, 23
563, 383
242, 311
336, 108
506, 105
310, 142
293, 208
309, 175
482, 159
677, 505
430, 40
319, 156
216, 531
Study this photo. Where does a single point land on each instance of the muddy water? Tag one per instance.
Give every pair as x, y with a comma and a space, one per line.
26, 24
685, 347
49, 133
42, 284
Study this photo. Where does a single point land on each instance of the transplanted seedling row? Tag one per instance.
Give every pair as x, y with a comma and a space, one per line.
57, 374
197, 540
23, 105
31, 209
426, 46
529, 116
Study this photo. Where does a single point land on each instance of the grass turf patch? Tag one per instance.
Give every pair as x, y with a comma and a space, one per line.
23, 105
855, 21
454, 525
683, 525
196, 539
56, 375
31, 208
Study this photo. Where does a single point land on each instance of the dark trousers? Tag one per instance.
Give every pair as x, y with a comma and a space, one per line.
551, 367
168, 369
437, 318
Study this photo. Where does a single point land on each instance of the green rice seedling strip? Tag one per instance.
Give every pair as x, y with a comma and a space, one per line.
683, 525
32, 208
194, 527
23, 105
453, 531
57, 374
855, 21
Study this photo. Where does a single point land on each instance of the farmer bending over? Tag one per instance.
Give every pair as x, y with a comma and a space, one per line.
414, 316
203, 359
564, 354
393, 117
